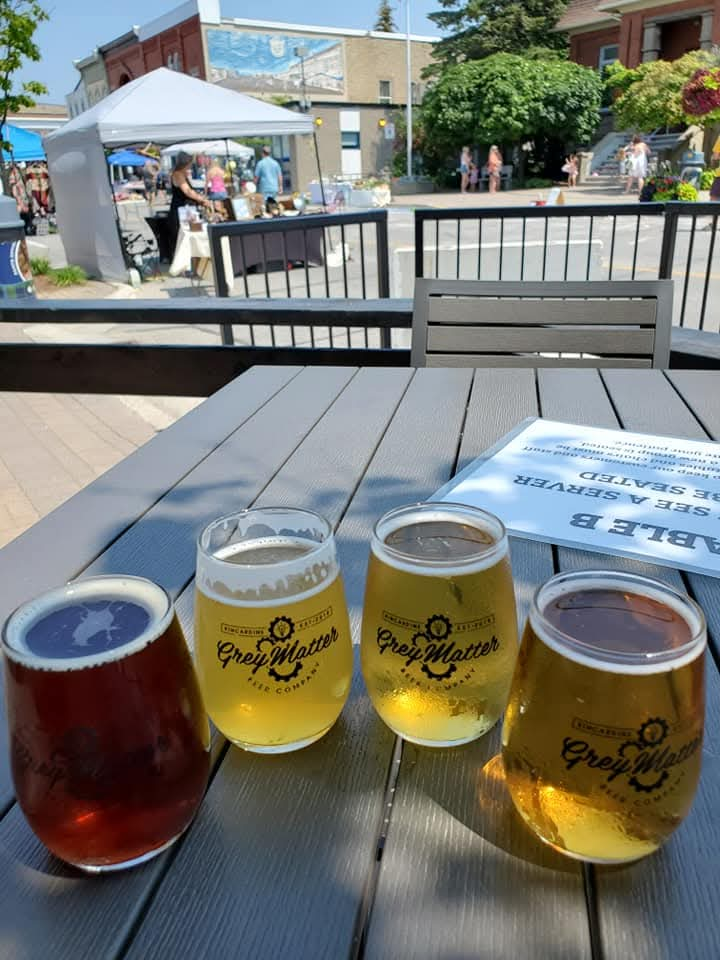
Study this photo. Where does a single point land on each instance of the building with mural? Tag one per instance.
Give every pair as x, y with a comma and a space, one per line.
353, 81
634, 31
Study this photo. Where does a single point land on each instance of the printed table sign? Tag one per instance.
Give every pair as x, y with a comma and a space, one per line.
611, 491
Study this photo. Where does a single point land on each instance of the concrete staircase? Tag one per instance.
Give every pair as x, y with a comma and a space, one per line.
604, 153
604, 162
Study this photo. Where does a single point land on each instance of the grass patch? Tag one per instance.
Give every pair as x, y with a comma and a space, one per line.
68, 276
40, 266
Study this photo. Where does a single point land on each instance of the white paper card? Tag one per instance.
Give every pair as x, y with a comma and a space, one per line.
611, 491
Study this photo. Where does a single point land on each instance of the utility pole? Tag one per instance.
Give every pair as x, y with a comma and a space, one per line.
409, 112
301, 52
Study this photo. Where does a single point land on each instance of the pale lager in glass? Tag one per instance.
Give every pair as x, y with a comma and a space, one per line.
439, 635
272, 636
603, 733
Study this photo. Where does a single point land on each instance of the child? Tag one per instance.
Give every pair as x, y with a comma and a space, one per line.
474, 174
570, 167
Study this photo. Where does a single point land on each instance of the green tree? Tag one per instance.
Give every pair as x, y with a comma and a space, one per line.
650, 96
385, 22
480, 28
18, 21
506, 98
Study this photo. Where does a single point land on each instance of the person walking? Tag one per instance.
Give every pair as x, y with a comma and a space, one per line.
465, 161
268, 179
637, 163
494, 168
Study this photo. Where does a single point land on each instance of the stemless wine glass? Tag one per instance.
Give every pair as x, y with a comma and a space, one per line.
108, 736
272, 636
439, 635
603, 732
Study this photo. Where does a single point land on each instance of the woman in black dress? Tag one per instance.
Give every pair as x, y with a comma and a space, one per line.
182, 195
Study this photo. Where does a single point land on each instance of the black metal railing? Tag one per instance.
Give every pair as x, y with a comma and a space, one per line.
327, 255
341, 332
584, 242
689, 248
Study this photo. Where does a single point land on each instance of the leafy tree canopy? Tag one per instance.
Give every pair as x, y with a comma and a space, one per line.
385, 21
506, 98
650, 96
18, 21
480, 28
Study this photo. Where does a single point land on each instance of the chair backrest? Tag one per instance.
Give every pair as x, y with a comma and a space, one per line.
476, 323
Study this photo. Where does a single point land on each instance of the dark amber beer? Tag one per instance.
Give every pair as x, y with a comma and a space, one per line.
439, 635
602, 738
109, 739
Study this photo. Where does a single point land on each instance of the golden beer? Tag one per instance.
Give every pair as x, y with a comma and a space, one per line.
602, 738
439, 634
272, 636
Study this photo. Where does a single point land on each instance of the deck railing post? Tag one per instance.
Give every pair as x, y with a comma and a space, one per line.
669, 238
383, 272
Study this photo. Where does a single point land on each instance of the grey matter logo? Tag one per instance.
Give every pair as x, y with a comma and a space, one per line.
280, 630
645, 761
279, 649
432, 647
437, 628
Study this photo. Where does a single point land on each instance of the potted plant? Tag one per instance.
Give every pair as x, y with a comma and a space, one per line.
661, 189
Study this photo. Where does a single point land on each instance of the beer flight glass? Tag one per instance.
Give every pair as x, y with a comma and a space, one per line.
272, 637
439, 634
109, 740
602, 735
602, 738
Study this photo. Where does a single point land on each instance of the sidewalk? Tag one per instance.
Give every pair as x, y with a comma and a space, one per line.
55, 444
596, 191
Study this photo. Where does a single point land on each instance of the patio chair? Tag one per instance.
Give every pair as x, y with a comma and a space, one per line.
475, 323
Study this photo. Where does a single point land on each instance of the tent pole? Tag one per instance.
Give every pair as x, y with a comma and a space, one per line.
317, 158
227, 167
116, 211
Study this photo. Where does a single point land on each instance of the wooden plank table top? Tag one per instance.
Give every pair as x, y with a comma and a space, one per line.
359, 845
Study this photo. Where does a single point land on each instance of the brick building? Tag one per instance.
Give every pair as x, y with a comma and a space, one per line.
353, 80
634, 31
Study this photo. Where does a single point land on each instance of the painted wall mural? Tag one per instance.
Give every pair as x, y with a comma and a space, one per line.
267, 63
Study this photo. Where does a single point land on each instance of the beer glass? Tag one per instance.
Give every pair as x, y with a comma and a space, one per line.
603, 732
272, 637
439, 634
109, 739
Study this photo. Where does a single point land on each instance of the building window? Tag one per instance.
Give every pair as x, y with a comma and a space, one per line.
607, 55
416, 92
350, 140
385, 91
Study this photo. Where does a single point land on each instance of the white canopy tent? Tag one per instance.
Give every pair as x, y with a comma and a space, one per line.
162, 107
211, 148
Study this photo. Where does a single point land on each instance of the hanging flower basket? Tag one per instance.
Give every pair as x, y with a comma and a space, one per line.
701, 95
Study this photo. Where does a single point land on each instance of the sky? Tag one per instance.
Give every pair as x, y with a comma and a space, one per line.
74, 31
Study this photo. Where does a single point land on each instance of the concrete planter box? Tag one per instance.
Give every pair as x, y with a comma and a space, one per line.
405, 188
369, 197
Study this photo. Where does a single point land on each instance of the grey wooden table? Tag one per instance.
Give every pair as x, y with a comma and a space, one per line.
356, 846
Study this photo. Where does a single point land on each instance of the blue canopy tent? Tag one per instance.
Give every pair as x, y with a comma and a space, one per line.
26, 145
126, 158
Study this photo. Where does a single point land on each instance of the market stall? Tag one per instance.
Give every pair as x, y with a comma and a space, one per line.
25, 145
163, 107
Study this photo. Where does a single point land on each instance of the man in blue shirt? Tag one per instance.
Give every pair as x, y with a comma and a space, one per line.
268, 177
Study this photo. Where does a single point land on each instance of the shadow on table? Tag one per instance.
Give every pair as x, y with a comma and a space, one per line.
469, 783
